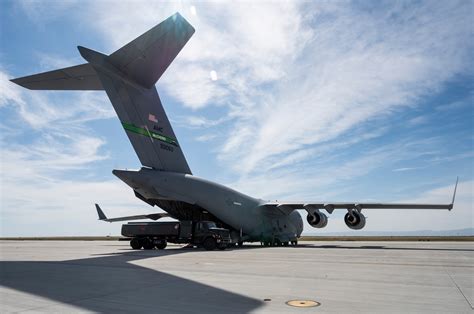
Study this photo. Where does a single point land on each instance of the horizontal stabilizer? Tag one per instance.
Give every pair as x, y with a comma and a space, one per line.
147, 57
79, 77
154, 216
100, 212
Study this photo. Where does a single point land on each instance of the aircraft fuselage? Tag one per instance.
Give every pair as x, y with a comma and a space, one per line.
243, 213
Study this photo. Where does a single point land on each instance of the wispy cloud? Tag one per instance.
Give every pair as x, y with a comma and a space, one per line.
460, 217
457, 104
43, 140
405, 169
49, 61
329, 175
52, 110
357, 67
198, 122
418, 120
206, 137
38, 12
8, 91
451, 158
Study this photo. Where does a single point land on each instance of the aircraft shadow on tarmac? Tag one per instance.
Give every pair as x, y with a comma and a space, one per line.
113, 284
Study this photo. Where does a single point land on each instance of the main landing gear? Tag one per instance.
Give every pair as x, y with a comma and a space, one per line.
277, 242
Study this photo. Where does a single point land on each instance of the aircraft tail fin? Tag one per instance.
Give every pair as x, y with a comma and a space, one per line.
128, 76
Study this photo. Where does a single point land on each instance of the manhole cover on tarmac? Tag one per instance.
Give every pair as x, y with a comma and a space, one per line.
303, 303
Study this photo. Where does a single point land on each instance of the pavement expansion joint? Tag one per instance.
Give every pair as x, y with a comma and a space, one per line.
459, 288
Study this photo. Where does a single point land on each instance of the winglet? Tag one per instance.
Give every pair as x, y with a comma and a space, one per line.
100, 213
454, 194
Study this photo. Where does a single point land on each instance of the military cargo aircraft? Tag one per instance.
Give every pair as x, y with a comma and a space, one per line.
128, 76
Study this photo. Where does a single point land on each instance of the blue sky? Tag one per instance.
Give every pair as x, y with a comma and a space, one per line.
330, 101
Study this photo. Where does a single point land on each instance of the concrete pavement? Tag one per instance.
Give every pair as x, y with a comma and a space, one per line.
356, 277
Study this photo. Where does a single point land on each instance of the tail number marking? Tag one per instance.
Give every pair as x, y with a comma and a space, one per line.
166, 147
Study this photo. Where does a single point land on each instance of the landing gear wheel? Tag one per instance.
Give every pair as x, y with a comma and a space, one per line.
285, 243
136, 244
148, 244
209, 244
277, 242
161, 245
294, 243
240, 243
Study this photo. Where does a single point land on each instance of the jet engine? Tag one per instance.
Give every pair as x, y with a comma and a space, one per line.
354, 220
317, 220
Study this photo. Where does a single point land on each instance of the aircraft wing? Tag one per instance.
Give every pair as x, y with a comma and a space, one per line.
79, 77
288, 207
102, 216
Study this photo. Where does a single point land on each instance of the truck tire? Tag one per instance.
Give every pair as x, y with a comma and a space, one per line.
148, 244
209, 244
136, 244
161, 245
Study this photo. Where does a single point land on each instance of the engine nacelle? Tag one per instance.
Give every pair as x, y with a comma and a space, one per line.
317, 220
354, 220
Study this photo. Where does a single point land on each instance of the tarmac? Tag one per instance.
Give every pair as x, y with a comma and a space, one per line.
344, 277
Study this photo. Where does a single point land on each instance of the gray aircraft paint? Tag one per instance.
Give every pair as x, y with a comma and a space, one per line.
238, 210
128, 76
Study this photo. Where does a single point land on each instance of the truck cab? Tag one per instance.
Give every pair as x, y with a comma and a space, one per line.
207, 234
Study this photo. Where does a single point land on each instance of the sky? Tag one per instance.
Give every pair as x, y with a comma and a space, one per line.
282, 100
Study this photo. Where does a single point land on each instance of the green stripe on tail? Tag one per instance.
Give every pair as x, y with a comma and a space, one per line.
145, 132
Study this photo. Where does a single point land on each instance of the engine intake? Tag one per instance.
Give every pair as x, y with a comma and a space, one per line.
354, 220
317, 220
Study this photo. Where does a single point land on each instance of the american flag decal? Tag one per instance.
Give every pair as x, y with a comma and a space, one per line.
152, 118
